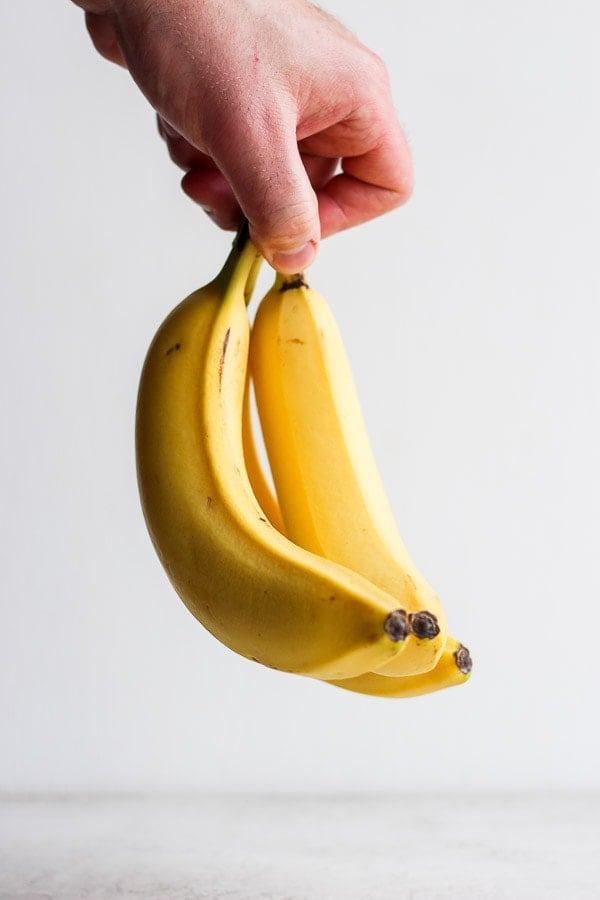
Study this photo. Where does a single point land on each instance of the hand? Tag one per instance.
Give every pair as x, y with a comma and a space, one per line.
273, 108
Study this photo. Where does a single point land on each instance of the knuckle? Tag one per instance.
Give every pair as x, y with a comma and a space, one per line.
403, 189
378, 69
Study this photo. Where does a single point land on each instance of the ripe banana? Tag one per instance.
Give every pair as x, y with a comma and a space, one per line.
252, 588
327, 483
453, 666
260, 486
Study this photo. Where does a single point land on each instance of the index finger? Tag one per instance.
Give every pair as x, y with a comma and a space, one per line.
376, 174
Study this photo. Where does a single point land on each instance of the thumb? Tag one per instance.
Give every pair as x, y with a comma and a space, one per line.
262, 164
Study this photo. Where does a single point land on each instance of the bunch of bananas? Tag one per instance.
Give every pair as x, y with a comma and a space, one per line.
313, 578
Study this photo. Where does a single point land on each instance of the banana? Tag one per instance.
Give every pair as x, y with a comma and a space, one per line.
331, 497
260, 486
452, 668
255, 590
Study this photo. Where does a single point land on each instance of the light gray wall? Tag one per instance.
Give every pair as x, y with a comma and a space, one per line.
471, 317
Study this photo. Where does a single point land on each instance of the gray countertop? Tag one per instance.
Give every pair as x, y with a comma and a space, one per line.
409, 847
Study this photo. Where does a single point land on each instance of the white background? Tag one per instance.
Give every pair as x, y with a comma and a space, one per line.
472, 320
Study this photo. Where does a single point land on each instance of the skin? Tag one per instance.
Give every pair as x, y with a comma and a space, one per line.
274, 110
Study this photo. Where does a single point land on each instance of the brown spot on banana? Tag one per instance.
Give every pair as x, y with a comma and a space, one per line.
463, 659
396, 625
424, 625
222, 356
295, 281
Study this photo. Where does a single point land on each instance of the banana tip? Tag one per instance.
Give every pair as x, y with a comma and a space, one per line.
396, 625
463, 660
424, 625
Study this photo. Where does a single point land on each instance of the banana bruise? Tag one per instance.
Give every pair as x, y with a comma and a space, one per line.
330, 494
252, 588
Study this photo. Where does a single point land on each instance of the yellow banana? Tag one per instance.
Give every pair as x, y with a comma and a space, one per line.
327, 483
452, 668
260, 486
251, 587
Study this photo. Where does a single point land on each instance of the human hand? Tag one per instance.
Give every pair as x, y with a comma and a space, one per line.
274, 110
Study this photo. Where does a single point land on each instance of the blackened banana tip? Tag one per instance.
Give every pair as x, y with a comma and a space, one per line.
424, 625
463, 660
396, 625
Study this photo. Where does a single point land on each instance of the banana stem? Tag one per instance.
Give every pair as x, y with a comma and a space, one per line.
251, 283
289, 282
241, 239
242, 236
241, 267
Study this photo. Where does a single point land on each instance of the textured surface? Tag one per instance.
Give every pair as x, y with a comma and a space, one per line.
300, 848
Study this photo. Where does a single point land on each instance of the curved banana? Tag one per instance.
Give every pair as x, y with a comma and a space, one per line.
251, 587
452, 668
256, 476
327, 483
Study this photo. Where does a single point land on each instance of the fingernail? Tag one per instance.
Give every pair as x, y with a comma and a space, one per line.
290, 261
